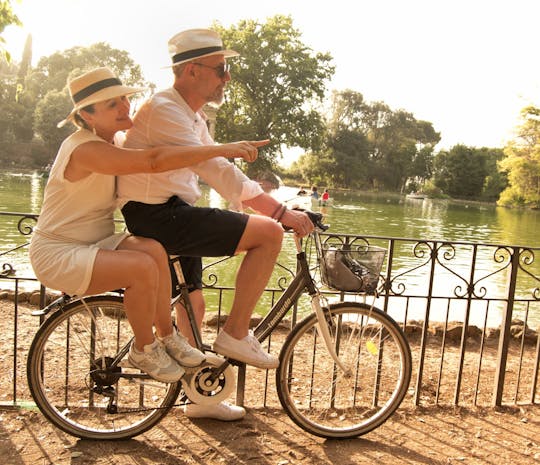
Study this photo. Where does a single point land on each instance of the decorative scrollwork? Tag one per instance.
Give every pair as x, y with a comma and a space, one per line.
421, 250
526, 258
7, 270
27, 229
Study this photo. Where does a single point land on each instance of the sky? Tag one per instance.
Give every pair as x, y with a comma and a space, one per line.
466, 66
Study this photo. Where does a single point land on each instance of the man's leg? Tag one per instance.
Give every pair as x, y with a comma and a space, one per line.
182, 322
261, 241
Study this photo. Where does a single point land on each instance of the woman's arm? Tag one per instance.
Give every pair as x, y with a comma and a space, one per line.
104, 158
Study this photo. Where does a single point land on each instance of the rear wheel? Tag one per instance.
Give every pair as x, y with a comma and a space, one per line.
72, 379
322, 399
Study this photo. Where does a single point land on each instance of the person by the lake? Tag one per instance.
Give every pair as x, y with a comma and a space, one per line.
325, 198
301, 191
161, 206
75, 248
314, 193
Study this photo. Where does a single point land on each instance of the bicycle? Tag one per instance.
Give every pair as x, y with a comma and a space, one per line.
344, 369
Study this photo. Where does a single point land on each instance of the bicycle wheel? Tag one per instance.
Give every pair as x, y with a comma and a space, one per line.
324, 400
74, 384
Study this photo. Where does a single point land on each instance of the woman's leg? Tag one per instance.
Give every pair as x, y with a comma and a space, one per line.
140, 266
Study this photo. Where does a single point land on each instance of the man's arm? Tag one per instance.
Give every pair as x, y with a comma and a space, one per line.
267, 205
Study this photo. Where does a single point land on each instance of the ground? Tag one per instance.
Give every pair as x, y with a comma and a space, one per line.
267, 437
413, 435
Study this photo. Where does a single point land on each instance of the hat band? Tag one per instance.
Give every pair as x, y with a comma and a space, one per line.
93, 88
194, 53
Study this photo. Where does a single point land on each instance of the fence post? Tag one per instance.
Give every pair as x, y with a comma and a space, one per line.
504, 337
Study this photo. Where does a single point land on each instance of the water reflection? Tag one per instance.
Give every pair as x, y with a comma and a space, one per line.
361, 214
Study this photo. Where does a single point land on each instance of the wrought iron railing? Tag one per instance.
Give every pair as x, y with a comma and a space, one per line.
471, 312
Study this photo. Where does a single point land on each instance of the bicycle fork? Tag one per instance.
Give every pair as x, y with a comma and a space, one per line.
322, 326
324, 332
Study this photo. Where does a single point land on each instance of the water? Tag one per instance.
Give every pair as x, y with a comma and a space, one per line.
353, 213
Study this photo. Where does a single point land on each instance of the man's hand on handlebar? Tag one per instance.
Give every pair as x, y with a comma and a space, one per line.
302, 222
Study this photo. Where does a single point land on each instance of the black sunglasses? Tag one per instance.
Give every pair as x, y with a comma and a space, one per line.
220, 70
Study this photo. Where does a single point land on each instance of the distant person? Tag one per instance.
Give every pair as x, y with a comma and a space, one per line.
75, 248
301, 191
325, 198
314, 193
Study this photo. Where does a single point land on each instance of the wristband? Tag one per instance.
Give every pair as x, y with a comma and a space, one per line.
273, 216
278, 219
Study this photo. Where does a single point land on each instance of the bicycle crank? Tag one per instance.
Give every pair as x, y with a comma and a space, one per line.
201, 386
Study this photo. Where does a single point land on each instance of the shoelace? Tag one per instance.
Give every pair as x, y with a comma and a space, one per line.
180, 342
256, 345
159, 356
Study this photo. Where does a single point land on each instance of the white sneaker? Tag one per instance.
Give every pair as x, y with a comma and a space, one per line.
247, 350
178, 347
222, 411
156, 362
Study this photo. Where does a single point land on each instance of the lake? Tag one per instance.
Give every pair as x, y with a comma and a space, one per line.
353, 213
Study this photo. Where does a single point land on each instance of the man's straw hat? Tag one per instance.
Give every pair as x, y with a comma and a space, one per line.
196, 43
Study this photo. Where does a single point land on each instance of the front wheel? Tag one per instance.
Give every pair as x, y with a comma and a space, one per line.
76, 382
325, 401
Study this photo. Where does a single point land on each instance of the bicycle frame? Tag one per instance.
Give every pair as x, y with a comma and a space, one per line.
302, 282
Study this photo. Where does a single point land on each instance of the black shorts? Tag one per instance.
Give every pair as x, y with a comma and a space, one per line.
186, 230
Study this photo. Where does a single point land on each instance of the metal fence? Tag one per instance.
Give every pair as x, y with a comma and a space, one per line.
471, 312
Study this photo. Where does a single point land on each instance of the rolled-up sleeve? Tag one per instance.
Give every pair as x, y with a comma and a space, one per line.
228, 180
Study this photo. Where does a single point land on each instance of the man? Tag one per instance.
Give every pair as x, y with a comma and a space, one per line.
161, 206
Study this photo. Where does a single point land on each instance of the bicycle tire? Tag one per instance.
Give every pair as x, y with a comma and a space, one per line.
61, 372
319, 397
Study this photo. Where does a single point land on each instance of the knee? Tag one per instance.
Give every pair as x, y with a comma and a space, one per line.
147, 269
274, 232
156, 251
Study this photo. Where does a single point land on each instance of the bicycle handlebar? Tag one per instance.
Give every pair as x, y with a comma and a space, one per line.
316, 219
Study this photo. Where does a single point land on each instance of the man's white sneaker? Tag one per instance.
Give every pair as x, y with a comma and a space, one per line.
178, 347
247, 350
222, 411
154, 361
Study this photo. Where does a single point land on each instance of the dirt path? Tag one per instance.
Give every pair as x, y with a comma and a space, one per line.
268, 437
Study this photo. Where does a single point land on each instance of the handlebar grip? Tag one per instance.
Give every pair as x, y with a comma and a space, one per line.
316, 218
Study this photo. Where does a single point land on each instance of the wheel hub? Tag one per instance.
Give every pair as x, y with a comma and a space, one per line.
202, 386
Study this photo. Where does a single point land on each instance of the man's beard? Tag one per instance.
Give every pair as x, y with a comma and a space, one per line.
217, 98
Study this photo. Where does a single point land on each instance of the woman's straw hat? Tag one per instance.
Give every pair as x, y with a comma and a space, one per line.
196, 43
95, 86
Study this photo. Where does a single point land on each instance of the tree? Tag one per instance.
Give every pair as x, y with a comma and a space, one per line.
460, 172
372, 146
47, 84
277, 83
34, 100
7, 17
522, 162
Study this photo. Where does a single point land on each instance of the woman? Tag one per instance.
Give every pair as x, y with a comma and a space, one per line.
75, 248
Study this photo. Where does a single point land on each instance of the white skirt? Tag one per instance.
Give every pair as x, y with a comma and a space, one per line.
67, 266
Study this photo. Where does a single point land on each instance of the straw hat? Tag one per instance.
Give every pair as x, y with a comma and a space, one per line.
95, 86
196, 43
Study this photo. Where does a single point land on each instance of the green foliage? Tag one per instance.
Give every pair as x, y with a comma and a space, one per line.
369, 146
49, 111
460, 172
276, 84
7, 17
522, 163
34, 100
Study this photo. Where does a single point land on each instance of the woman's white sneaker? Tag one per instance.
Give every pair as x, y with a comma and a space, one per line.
247, 350
155, 361
178, 347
